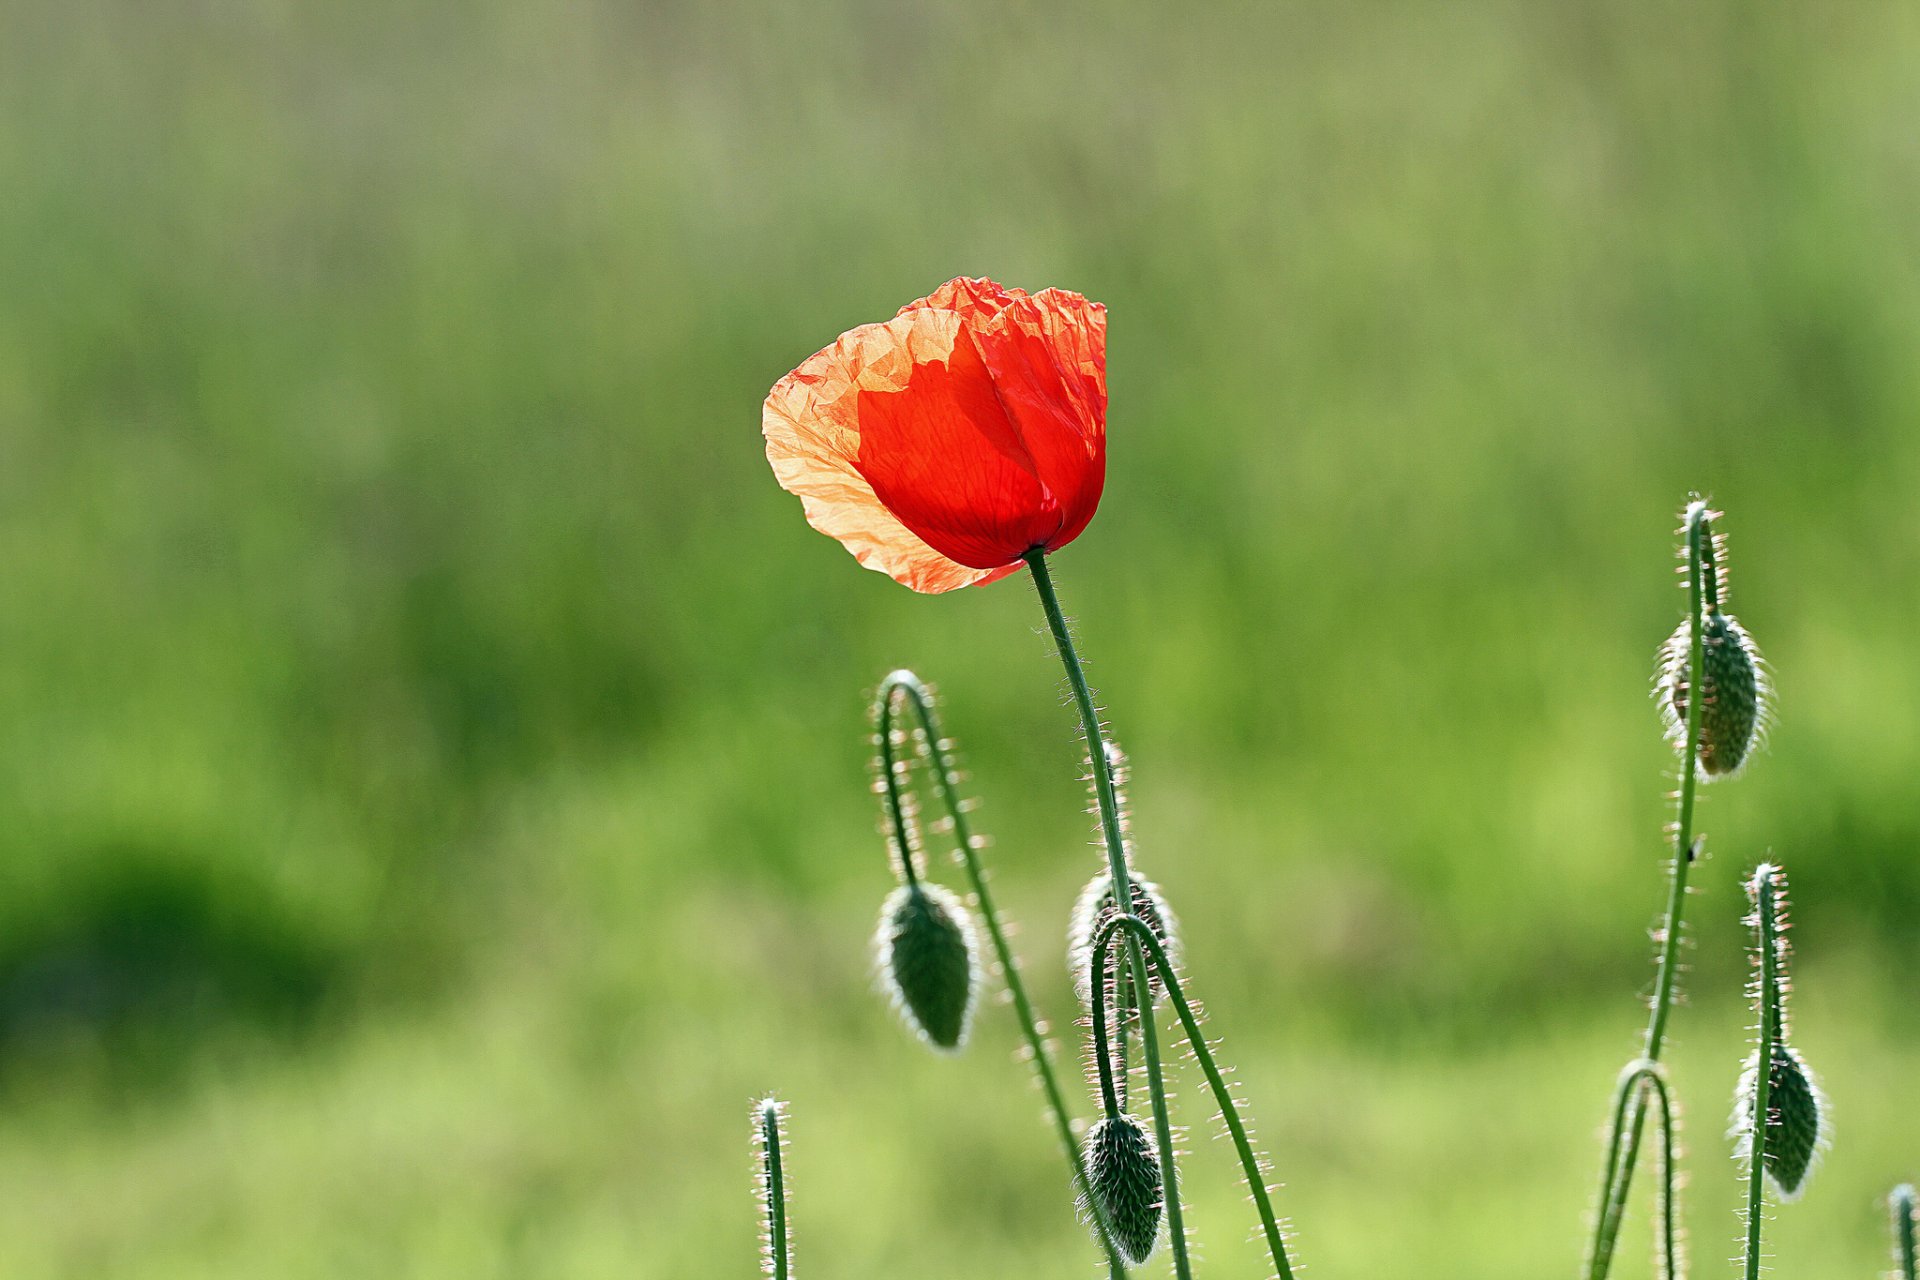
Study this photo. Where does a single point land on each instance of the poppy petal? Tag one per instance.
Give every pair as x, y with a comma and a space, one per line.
813, 440
977, 299
944, 456
1048, 357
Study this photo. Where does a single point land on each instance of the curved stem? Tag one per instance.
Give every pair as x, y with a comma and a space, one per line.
1109, 803
1760, 1121
1638, 1078
1702, 587
905, 686
1901, 1203
1102, 1046
1203, 1053
899, 831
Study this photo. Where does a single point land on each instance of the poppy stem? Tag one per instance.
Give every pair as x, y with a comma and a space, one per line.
1223, 1097
1635, 1082
1702, 589
1768, 940
937, 751
779, 1253
1109, 803
1901, 1203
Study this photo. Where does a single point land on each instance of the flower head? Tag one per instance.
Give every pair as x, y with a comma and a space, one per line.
941, 446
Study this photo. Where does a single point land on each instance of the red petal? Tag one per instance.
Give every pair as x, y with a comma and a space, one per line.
813, 439
944, 456
1048, 358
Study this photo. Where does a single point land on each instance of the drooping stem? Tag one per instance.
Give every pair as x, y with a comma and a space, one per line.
1903, 1251
1702, 590
1769, 943
1109, 804
1635, 1082
904, 686
1229, 1107
779, 1259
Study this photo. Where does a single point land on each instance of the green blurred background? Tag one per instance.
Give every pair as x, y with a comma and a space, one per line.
432, 765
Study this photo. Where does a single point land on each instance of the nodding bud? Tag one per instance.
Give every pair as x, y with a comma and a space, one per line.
1092, 912
1796, 1127
1796, 1120
929, 962
1123, 1174
1738, 696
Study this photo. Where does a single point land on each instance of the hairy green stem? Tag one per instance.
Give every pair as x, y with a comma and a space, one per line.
1769, 943
1703, 590
1109, 804
1901, 1202
905, 686
778, 1259
1636, 1081
1140, 932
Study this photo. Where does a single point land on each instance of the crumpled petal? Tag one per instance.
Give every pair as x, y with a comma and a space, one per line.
942, 446
812, 432
976, 299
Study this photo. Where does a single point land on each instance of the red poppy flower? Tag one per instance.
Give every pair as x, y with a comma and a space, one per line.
943, 445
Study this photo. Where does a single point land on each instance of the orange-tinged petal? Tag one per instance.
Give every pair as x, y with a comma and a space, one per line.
813, 440
943, 445
977, 299
943, 455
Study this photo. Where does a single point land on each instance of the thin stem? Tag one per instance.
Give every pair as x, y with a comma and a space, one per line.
904, 685
1109, 803
1702, 584
1902, 1204
900, 832
778, 1259
1640, 1077
1109, 1098
1229, 1107
1760, 1121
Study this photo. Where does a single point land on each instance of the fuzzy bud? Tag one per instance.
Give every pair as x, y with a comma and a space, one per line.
1735, 710
1092, 912
929, 962
1124, 1174
1796, 1120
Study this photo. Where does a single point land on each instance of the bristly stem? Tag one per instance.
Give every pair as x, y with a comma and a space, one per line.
779, 1260
1640, 1077
1109, 803
1901, 1202
1141, 932
1703, 589
1767, 926
905, 686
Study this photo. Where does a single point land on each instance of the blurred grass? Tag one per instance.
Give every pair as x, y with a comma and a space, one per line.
430, 744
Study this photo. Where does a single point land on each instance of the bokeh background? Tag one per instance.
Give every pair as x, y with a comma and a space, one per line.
432, 749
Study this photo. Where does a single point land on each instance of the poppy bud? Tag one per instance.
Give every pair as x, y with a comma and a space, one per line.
1794, 1133
1092, 912
1796, 1117
1738, 694
1123, 1174
929, 962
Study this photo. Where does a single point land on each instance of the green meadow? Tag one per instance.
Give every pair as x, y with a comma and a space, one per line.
433, 751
